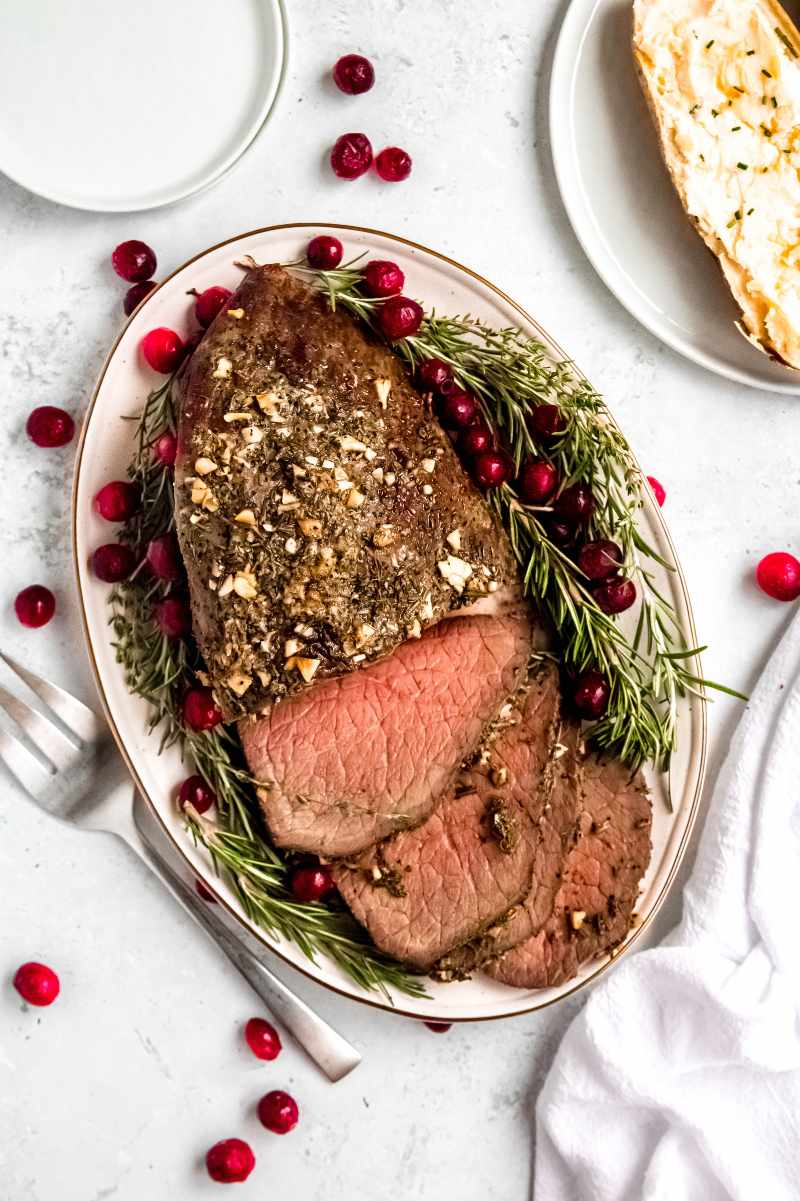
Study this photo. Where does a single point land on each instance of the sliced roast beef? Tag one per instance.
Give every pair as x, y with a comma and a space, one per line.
322, 514
423, 892
600, 886
360, 757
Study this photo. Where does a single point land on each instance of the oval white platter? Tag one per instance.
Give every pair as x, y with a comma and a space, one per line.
104, 453
116, 107
624, 209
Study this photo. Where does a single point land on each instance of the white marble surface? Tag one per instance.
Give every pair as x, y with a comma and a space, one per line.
119, 1088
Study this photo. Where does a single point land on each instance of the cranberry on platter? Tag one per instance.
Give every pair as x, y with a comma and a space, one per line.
113, 562
135, 295
165, 449
439, 1027
599, 560
162, 349
383, 278
196, 792
163, 558
778, 575
203, 893
475, 440
615, 595
118, 500
435, 376
230, 1161
659, 492
591, 694
393, 164
278, 1112
351, 155
538, 482
324, 252
134, 261
400, 317
576, 504
561, 533
37, 984
200, 710
210, 303
263, 1039
492, 469
34, 606
312, 883
547, 422
173, 616
459, 410
48, 426
353, 74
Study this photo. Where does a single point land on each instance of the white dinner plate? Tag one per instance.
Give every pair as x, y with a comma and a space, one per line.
104, 453
115, 106
623, 206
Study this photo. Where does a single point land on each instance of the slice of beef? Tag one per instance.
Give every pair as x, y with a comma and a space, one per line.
357, 758
323, 516
423, 892
602, 875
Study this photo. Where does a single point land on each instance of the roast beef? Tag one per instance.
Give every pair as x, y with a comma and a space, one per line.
423, 892
322, 514
357, 758
600, 885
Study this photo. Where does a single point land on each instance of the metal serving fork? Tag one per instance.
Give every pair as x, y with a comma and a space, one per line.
71, 769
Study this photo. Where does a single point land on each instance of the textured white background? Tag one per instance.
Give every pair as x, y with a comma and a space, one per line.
119, 1088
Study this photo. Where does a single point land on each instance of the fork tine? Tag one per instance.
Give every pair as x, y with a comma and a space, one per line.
22, 764
43, 734
73, 713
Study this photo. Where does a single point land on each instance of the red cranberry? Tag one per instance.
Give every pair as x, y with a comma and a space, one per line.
576, 504
162, 349
492, 468
278, 1112
598, 560
324, 253
538, 482
439, 1027
48, 426
560, 533
113, 562
230, 1162
134, 261
263, 1039
197, 793
546, 421
312, 883
382, 278
458, 410
435, 376
474, 441
200, 710
353, 74
209, 304
165, 448
163, 557
34, 606
658, 490
37, 984
615, 595
778, 575
393, 164
591, 694
351, 155
173, 617
135, 295
203, 893
118, 500
400, 317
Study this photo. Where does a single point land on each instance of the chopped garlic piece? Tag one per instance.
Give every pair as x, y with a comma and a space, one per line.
383, 388
428, 465
252, 435
290, 647
455, 571
310, 526
226, 587
204, 466
578, 918
426, 612
454, 539
229, 417
291, 546
427, 489
223, 368
239, 682
266, 401
237, 314
347, 442
390, 477
245, 585
384, 536
306, 667
355, 499
364, 633
246, 517
370, 454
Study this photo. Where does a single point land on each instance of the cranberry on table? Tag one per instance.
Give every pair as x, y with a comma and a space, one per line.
34, 606
591, 694
537, 482
576, 504
209, 303
113, 562
778, 575
173, 616
436, 376
278, 1112
135, 295
230, 1161
162, 349
383, 278
547, 421
312, 883
118, 500
196, 792
492, 469
393, 164
165, 449
351, 155
203, 893
37, 983
48, 426
599, 560
458, 410
659, 492
615, 595
475, 440
163, 557
353, 74
263, 1039
134, 261
324, 252
200, 710
439, 1027
400, 317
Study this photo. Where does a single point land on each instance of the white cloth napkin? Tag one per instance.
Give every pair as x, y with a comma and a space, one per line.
680, 1079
